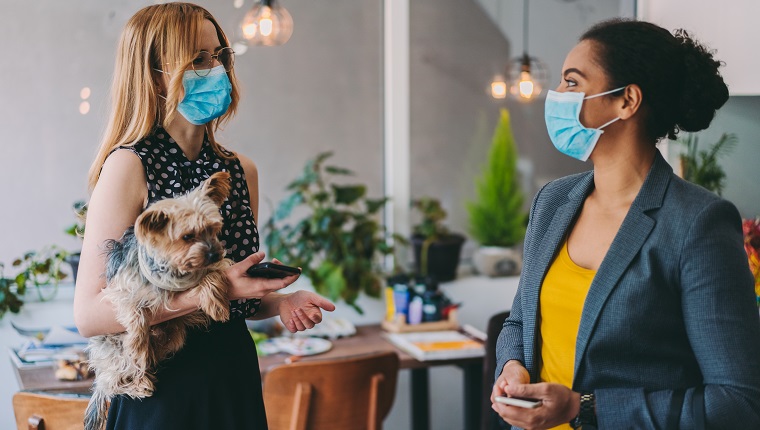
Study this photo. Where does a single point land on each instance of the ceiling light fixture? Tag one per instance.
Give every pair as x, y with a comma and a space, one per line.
267, 24
527, 75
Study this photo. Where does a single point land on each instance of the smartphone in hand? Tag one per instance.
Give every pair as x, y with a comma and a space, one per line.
271, 270
520, 403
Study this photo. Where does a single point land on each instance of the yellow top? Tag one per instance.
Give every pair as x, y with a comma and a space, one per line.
561, 302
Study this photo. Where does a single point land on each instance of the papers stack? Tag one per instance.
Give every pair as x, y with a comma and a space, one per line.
437, 345
59, 343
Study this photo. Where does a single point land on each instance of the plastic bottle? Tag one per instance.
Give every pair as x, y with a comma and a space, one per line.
401, 299
390, 304
415, 311
431, 309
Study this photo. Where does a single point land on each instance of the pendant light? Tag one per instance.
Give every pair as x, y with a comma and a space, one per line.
528, 75
267, 24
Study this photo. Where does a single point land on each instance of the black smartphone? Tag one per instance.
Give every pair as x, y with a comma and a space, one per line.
270, 270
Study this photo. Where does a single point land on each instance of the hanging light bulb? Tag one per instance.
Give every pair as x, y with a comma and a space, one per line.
267, 24
529, 76
498, 87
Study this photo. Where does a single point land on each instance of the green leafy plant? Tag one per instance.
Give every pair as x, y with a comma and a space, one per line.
9, 295
77, 229
40, 270
431, 225
338, 242
436, 249
701, 166
496, 216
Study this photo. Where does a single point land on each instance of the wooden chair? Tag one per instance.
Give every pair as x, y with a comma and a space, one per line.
48, 412
490, 420
352, 393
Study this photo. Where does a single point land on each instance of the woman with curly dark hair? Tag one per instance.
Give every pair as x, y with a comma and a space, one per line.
636, 305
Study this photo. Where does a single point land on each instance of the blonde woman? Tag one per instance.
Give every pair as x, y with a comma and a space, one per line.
174, 85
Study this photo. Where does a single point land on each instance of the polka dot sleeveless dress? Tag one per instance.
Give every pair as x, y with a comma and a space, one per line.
214, 381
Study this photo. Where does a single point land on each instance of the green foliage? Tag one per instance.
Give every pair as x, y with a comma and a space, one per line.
9, 297
496, 217
431, 227
338, 242
701, 167
80, 210
38, 269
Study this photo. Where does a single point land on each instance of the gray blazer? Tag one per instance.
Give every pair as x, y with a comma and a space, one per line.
672, 307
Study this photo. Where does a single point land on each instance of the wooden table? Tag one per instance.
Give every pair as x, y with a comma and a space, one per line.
368, 339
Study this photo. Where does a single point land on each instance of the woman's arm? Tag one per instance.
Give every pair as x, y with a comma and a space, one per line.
116, 201
509, 345
300, 310
722, 324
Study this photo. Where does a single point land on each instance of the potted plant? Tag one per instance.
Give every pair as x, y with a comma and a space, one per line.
9, 294
701, 167
76, 230
40, 270
497, 219
436, 249
338, 241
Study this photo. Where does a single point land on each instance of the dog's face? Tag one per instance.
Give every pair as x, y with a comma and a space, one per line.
181, 233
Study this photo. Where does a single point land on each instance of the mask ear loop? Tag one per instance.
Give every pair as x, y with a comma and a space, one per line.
608, 123
158, 102
604, 93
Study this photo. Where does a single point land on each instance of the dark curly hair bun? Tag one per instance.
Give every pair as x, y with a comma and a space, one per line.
703, 90
678, 76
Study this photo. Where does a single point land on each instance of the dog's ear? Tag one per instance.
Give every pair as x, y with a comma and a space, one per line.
217, 187
150, 221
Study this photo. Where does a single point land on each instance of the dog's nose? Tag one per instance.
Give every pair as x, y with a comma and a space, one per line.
213, 256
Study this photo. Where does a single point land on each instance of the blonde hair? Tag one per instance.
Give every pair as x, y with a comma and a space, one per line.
155, 36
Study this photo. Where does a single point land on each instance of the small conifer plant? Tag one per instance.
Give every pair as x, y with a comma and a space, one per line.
496, 216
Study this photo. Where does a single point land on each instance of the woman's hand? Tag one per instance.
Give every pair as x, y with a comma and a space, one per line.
513, 373
559, 405
303, 310
243, 286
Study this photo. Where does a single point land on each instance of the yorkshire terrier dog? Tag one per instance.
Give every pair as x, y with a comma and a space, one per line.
172, 247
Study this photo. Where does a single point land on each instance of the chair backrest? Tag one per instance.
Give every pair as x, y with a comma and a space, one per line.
48, 412
490, 420
351, 393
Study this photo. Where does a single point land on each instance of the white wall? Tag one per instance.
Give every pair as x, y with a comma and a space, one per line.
709, 22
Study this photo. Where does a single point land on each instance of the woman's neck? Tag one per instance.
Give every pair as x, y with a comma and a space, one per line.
189, 137
620, 170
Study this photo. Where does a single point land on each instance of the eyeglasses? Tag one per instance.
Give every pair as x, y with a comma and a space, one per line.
204, 61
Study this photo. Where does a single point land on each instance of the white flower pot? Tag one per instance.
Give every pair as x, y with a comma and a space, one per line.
497, 261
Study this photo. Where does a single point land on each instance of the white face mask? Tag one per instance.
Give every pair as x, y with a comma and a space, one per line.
562, 116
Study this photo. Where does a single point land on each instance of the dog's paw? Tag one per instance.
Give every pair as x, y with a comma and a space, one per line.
141, 390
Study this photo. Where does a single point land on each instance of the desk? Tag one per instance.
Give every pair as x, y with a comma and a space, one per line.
482, 297
368, 339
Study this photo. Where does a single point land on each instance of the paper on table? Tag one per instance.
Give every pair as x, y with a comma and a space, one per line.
63, 336
437, 345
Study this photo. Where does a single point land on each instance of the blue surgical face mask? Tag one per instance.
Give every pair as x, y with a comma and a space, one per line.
206, 97
562, 115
